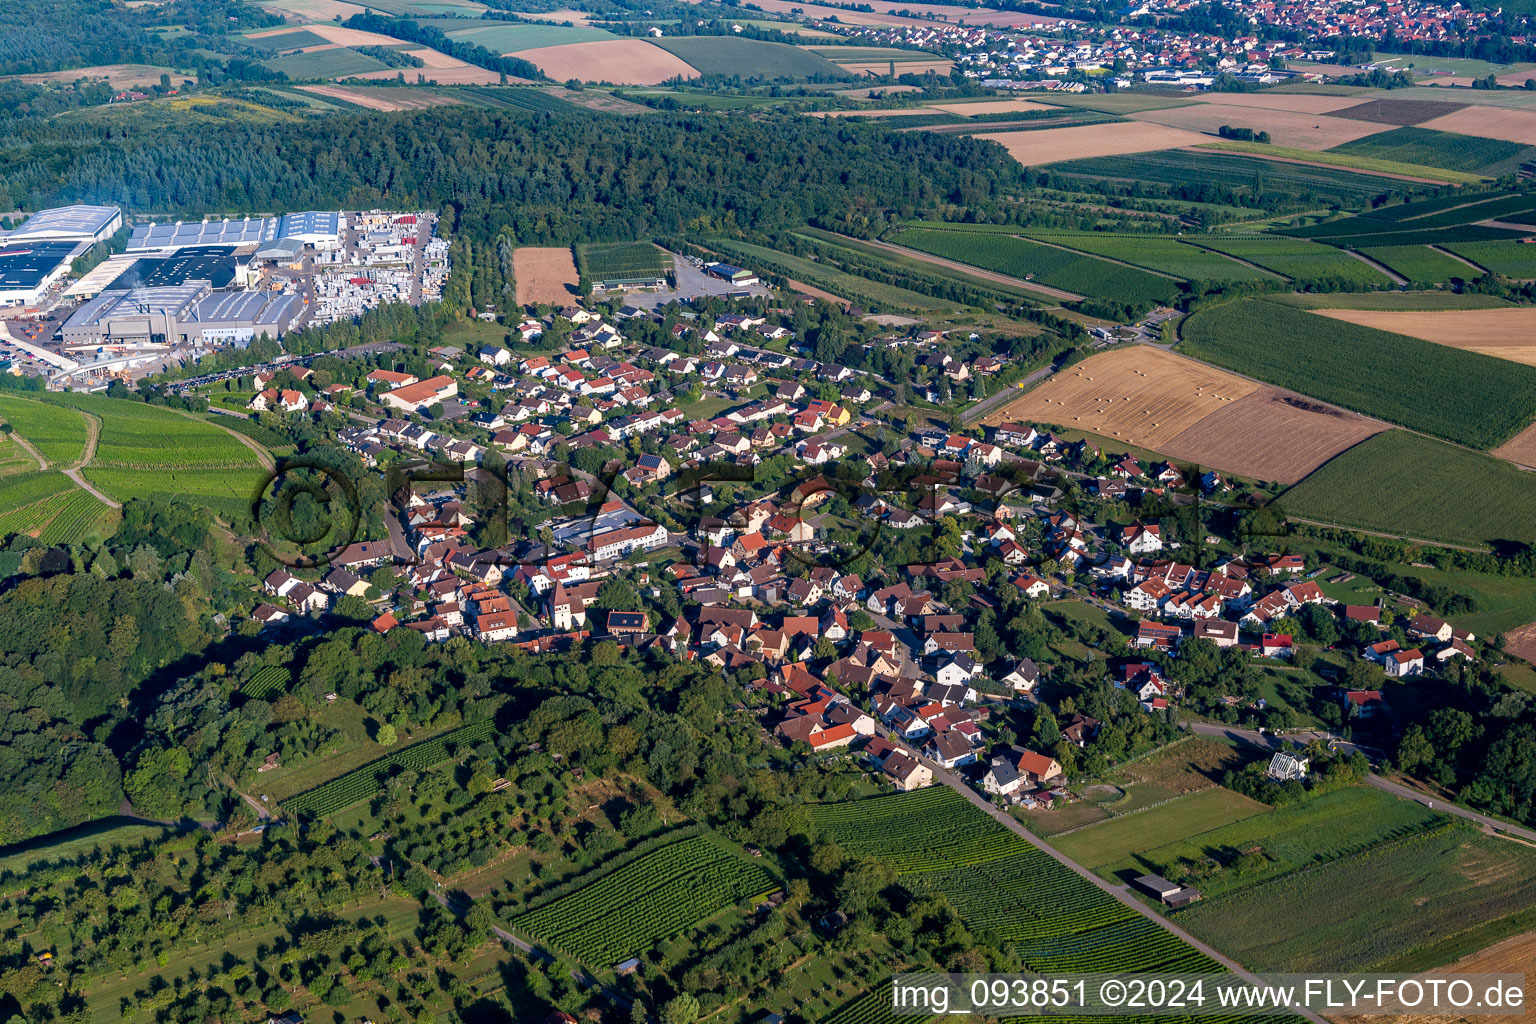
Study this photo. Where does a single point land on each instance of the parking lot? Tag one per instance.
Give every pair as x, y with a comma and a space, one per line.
690, 283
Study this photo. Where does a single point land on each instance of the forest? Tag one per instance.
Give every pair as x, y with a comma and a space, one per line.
548, 179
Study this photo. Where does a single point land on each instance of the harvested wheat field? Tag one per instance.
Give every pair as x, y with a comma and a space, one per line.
989, 107
1297, 129
1304, 103
620, 61
119, 76
1049, 145
559, 17
904, 67
544, 275
386, 100
433, 59
1490, 123
314, 10
1141, 395
1520, 449
1502, 333
1515, 955
338, 34
1270, 435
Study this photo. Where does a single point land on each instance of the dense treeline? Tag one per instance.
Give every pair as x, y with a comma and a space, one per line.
550, 178
52, 35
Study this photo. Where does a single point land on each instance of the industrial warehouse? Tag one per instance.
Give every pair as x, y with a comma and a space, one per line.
172, 292
36, 257
184, 314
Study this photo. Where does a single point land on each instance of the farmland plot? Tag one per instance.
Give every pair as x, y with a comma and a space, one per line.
1462, 396
1245, 175
1503, 333
1286, 128
366, 782
1518, 126
1420, 263
1053, 919
1157, 252
1270, 435
146, 451
1295, 258
620, 61
58, 434
1430, 147
1050, 265
750, 58
336, 62
661, 894
544, 275
1456, 496
1421, 889
624, 259
1291, 838
1141, 395
1507, 259
1049, 145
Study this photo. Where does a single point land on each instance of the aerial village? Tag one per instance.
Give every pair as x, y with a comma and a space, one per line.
865, 596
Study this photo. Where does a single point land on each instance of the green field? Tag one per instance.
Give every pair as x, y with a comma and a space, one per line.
1002, 886
749, 58
1351, 161
1507, 259
1456, 496
1428, 222
1059, 268
135, 435
1401, 301
1307, 186
362, 784
626, 911
337, 63
58, 434
842, 248
622, 260
1373, 907
1290, 838
1158, 252
1465, 397
1420, 263
83, 840
510, 36
146, 451
50, 507
295, 40
1128, 834
881, 297
1447, 150
1297, 258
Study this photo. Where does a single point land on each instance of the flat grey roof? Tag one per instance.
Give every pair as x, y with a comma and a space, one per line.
209, 232
77, 222
173, 299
